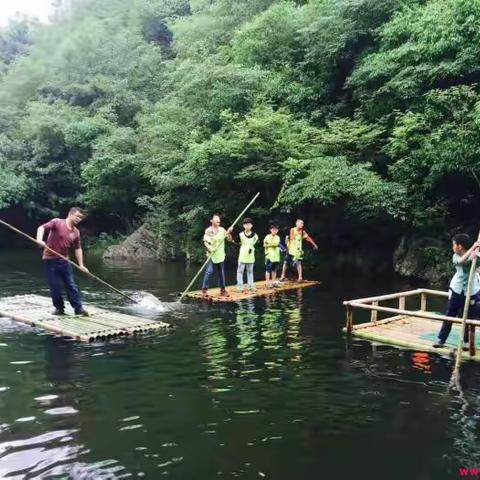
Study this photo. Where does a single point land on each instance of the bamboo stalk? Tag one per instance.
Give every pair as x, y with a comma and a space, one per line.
401, 303
374, 313
438, 293
91, 275
349, 325
189, 286
471, 340
390, 296
423, 302
47, 327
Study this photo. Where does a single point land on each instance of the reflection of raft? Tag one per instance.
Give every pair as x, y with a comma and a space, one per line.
101, 325
415, 328
261, 291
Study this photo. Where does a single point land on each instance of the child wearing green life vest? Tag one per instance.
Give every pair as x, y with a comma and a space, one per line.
246, 256
271, 243
294, 256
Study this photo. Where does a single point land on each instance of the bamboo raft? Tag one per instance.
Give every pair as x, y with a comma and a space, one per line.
100, 325
261, 290
414, 329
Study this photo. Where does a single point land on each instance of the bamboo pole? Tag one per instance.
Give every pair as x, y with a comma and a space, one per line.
423, 302
466, 307
390, 296
91, 275
211, 254
349, 325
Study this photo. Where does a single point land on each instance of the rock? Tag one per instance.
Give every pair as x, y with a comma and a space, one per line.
141, 244
423, 258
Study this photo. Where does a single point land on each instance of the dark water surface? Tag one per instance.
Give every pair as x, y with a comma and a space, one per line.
263, 389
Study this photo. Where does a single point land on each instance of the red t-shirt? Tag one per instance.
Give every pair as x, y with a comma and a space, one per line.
60, 238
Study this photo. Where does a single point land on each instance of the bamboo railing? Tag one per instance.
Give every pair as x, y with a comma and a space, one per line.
373, 305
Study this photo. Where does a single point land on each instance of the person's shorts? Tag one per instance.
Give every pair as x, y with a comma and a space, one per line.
289, 261
271, 266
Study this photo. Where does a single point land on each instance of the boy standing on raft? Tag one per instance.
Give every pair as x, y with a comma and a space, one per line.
271, 244
463, 251
294, 255
246, 257
214, 241
62, 236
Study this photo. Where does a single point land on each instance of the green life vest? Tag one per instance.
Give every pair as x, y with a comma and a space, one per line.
217, 244
272, 248
295, 243
247, 248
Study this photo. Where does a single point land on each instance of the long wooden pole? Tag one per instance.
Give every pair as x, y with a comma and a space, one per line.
91, 275
466, 307
211, 254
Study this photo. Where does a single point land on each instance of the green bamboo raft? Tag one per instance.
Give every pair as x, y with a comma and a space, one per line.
409, 323
100, 325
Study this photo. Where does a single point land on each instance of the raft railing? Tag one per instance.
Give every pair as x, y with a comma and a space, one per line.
373, 304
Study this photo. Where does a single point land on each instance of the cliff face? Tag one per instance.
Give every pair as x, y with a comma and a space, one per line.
142, 244
423, 258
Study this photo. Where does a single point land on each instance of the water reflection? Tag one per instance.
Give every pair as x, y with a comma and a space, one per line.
268, 388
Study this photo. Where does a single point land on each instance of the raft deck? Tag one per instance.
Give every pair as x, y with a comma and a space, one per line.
261, 290
414, 329
100, 325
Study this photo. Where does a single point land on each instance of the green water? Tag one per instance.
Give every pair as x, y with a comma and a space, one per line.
263, 389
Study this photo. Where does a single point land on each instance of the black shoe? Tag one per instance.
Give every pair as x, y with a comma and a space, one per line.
82, 313
439, 344
57, 312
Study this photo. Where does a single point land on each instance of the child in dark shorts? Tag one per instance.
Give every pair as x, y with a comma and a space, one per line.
271, 244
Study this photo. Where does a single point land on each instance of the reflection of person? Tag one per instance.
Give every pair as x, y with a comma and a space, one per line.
271, 244
214, 241
246, 256
62, 236
294, 256
463, 251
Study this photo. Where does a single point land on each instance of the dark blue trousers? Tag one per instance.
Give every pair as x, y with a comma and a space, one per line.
60, 274
455, 309
209, 272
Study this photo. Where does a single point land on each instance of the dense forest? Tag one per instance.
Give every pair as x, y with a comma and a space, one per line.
361, 115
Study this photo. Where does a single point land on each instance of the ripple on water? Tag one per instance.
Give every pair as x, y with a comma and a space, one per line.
61, 411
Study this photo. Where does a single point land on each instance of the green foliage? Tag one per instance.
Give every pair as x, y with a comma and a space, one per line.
171, 109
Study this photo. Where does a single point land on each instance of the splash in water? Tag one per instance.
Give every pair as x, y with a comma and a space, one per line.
147, 303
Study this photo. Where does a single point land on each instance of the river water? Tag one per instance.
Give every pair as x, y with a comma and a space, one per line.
263, 389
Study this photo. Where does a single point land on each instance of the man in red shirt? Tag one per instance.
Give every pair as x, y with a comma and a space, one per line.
62, 236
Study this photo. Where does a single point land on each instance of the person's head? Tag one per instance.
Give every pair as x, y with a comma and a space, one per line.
75, 215
273, 229
461, 243
247, 224
299, 223
215, 220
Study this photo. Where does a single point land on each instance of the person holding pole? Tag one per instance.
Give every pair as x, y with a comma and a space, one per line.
63, 235
214, 241
463, 251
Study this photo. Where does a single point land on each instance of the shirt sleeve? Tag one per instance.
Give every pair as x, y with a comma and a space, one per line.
51, 225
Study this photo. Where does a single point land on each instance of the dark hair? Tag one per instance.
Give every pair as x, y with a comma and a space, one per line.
215, 215
247, 220
77, 210
274, 225
463, 239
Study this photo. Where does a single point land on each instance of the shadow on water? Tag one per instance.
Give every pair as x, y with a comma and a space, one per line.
267, 388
